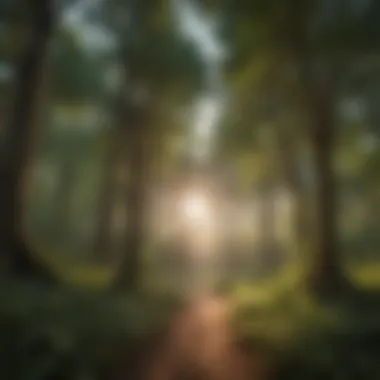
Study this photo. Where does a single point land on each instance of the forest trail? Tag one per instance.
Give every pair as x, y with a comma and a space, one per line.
201, 345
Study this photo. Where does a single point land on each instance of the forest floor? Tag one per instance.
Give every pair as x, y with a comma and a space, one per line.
254, 332
202, 344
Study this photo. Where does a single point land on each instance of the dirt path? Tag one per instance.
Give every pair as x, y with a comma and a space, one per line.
201, 345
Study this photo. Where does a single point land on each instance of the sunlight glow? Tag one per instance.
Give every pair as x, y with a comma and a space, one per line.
197, 217
197, 208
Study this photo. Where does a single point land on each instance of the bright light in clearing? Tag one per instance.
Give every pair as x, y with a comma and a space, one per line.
196, 208
197, 214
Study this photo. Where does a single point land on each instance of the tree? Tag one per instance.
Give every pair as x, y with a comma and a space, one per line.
76, 84
154, 62
14, 154
264, 133
320, 72
107, 201
312, 40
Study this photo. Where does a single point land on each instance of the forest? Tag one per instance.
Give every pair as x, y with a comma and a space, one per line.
188, 189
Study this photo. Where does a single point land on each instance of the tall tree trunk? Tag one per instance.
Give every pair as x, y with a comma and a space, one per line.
107, 248
62, 200
289, 158
15, 155
327, 268
268, 245
318, 93
103, 242
137, 132
103, 236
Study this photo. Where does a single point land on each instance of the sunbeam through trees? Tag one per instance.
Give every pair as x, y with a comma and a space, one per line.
190, 189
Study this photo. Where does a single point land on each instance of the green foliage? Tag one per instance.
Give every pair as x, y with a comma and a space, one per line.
75, 74
150, 46
306, 339
70, 334
351, 31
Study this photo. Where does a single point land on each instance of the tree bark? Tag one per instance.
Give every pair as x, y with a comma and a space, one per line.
137, 133
103, 242
327, 268
14, 159
268, 246
318, 94
62, 202
107, 249
289, 157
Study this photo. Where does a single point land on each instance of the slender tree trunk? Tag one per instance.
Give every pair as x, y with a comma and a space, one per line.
267, 225
62, 200
137, 130
318, 93
327, 266
15, 155
326, 272
103, 236
289, 158
103, 242
113, 187
135, 217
